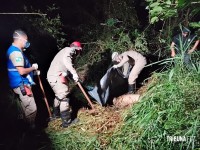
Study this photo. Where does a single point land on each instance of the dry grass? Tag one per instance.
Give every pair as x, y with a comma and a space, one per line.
103, 122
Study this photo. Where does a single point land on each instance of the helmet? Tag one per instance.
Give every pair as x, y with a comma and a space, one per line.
77, 45
114, 54
186, 30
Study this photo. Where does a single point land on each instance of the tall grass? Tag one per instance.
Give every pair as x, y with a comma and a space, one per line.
171, 107
73, 140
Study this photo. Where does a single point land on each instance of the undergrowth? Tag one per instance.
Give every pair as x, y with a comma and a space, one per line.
169, 108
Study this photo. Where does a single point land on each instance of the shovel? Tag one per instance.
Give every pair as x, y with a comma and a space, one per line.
84, 93
45, 98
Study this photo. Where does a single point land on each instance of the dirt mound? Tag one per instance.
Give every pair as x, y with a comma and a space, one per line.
126, 100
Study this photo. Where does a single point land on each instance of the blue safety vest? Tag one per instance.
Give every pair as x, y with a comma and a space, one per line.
15, 79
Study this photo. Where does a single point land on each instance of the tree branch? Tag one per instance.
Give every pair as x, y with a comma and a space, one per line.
23, 14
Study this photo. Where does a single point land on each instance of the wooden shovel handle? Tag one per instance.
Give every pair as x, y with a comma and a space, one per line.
45, 98
88, 99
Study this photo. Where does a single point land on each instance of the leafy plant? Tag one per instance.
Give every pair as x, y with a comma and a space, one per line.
141, 44
161, 10
195, 24
169, 108
50, 24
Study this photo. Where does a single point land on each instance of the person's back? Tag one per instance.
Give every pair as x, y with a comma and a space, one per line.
133, 54
57, 65
58, 71
135, 59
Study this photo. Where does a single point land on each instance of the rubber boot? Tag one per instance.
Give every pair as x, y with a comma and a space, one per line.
131, 89
66, 118
56, 112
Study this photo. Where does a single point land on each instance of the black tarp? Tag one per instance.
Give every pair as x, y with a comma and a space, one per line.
113, 84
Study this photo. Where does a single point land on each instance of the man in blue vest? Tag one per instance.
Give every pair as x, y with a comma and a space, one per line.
20, 73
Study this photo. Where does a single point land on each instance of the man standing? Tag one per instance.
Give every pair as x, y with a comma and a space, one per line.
182, 43
126, 59
60, 68
20, 74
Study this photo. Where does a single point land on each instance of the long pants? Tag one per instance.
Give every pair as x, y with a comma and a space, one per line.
137, 68
186, 59
61, 91
28, 106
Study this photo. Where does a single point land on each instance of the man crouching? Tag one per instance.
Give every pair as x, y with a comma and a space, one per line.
130, 58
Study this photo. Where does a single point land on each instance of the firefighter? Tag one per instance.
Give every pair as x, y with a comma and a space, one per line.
60, 68
20, 73
130, 58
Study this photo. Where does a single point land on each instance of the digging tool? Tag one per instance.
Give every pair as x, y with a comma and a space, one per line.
88, 99
45, 98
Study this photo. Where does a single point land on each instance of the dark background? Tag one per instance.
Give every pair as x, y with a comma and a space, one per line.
74, 13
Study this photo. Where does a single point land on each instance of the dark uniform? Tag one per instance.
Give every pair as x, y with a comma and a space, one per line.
183, 44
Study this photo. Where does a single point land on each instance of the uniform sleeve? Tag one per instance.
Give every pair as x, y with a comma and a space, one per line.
123, 61
193, 38
68, 64
175, 39
17, 59
125, 68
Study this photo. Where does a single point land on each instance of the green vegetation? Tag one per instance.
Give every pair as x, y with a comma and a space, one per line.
172, 9
47, 24
171, 104
73, 140
170, 107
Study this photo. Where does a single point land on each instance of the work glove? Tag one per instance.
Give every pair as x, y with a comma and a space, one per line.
64, 74
63, 79
75, 77
115, 66
36, 72
35, 66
